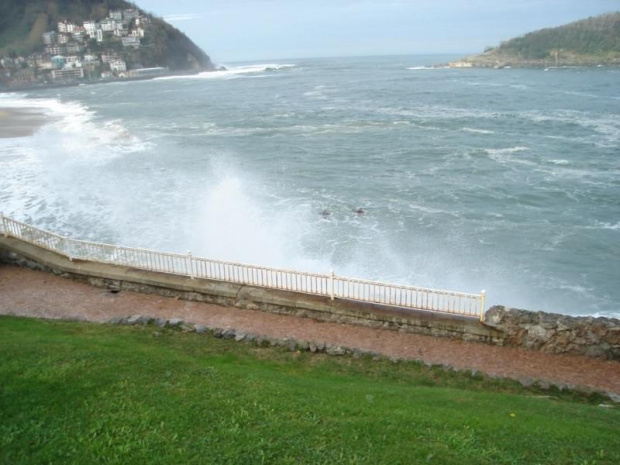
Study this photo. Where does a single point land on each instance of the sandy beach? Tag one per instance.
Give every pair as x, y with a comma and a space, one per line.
20, 122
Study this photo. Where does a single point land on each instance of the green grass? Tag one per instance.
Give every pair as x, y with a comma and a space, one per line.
84, 394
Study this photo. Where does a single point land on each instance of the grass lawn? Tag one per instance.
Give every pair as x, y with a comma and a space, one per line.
84, 393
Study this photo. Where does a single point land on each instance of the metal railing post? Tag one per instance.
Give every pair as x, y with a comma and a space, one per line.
189, 265
331, 284
5, 227
483, 295
68, 247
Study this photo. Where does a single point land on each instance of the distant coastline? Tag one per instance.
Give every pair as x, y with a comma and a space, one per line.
11, 89
591, 42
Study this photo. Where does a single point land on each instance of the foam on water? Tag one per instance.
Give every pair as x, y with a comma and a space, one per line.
478, 131
231, 72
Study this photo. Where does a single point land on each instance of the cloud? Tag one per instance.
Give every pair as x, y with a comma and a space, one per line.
182, 17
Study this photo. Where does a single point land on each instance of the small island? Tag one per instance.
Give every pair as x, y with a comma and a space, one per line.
593, 41
55, 43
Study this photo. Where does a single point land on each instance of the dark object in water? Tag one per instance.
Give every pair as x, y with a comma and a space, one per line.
359, 211
326, 213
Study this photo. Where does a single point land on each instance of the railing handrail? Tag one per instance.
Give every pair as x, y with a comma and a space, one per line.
332, 282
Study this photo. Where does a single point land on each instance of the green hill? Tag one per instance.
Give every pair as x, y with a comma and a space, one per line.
22, 23
590, 41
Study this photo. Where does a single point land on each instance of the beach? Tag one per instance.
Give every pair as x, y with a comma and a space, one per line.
18, 122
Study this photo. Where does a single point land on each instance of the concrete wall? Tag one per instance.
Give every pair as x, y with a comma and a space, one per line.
552, 333
17, 252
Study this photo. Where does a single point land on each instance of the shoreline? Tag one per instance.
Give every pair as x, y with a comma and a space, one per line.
13, 89
21, 122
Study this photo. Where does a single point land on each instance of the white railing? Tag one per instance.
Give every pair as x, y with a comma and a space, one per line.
329, 285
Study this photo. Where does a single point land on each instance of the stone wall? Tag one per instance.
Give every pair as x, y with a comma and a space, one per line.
557, 334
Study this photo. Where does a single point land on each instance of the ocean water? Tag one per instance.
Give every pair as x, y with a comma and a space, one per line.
504, 180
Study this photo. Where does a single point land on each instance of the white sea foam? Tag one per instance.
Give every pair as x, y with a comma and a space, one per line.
478, 131
608, 226
232, 72
505, 155
419, 68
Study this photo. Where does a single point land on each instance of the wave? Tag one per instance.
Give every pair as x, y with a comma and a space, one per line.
477, 131
232, 72
416, 68
75, 131
606, 226
504, 155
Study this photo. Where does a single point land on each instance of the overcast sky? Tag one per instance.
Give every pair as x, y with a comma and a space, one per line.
255, 30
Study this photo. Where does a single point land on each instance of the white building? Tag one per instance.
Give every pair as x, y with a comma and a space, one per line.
90, 27
74, 47
118, 66
49, 38
128, 15
99, 35
108, 25
131, 42
66, 26
116, 15
67, 75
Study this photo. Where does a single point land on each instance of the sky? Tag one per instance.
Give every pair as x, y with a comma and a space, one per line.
258, 30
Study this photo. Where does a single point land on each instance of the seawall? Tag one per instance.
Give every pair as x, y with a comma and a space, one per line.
551, 333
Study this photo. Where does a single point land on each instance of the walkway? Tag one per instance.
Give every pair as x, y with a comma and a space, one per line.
30, 293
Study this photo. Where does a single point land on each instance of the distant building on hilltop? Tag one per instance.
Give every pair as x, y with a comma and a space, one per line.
49, 38
116, 15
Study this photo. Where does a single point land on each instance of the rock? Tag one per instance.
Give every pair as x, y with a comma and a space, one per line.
175, 322
556, 333
335, 350
201, 329
239, 337
302, 344
229, 334
157, 334
160, 322
218, 332
116, 320
614, 397
138, 320
250, 337
187, 327
526, 382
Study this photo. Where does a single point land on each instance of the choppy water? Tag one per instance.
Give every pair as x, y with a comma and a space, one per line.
505, 180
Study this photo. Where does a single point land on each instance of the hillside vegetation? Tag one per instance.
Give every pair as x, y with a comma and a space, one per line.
78, 393
22, 22
590, 41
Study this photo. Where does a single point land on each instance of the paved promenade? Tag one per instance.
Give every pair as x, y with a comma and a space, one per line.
30, 293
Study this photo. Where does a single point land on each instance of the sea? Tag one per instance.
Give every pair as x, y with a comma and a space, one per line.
385, 168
